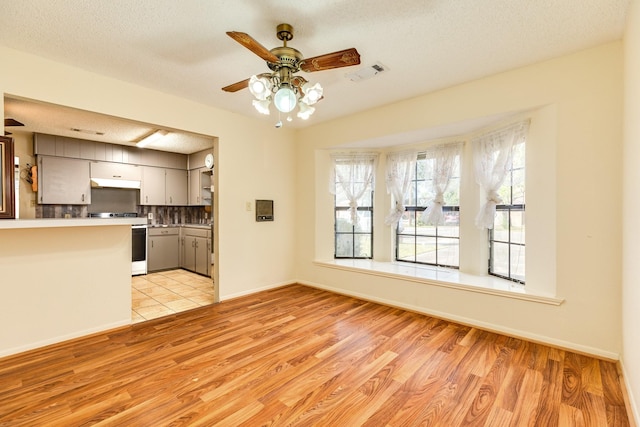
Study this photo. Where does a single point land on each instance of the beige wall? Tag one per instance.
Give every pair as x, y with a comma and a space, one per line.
575, 167
253, 161
631, 210
61, 283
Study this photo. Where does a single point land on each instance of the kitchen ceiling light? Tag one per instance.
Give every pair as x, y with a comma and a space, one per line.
155, 136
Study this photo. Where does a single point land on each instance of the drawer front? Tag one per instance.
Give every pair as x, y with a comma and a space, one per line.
164, 231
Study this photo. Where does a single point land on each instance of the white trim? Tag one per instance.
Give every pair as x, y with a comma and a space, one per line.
437, 276
66, 337
632, 410
475, 323
256, 290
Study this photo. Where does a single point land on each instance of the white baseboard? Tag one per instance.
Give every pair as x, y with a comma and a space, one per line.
255, 290
62, 338
630, 401
473, 322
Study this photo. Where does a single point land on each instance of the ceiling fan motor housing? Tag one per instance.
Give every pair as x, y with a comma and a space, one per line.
288, 56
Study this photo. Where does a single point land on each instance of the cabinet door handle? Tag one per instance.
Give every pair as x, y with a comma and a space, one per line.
146, 199
83, 197
117, 176
170, 199
152, 243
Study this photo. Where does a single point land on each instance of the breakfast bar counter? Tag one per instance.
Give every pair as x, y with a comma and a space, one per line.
62, 279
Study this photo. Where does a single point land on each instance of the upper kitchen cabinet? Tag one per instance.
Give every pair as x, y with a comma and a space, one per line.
108, 173
152, 189
162, 186
64, 181
176, 187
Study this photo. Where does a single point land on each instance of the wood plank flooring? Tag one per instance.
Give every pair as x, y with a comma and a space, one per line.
301, 356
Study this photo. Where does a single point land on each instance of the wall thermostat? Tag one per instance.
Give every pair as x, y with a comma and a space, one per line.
264, 210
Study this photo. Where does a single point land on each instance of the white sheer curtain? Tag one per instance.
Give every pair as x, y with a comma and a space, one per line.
354, 174
444, 158
492, 157
400, 171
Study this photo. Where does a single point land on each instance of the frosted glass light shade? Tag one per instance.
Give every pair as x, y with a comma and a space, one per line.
261, 106
285, 99
260, 87
305, 111
312, 94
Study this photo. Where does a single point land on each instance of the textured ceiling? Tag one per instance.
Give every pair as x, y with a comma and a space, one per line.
181, 47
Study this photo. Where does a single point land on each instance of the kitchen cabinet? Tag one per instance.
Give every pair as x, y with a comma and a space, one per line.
64, 181
200, 187
196, 250
162, 187
163, 248
117, 171
176, 187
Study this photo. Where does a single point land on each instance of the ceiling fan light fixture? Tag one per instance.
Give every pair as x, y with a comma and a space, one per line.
260, 87
262, 106
312, 93
305, 111
285, 99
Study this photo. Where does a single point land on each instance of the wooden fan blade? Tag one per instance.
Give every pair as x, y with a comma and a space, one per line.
236, 86
343, 58
250, 43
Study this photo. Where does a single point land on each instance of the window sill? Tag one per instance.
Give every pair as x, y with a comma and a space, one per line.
438, 276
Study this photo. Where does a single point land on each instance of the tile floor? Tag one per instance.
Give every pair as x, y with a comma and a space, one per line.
159, 294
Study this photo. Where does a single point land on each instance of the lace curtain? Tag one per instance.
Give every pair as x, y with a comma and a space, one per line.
354, 174
444, 159
400, 172
492, 157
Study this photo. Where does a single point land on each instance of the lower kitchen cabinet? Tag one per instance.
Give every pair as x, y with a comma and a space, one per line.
163, 248
196, 250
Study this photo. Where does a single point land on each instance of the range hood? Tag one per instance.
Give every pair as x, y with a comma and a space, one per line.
114, 183
115, 175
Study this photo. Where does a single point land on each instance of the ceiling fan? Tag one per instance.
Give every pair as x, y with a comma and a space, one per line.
281, 85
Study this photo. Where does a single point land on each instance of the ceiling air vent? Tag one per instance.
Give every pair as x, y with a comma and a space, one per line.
366, 72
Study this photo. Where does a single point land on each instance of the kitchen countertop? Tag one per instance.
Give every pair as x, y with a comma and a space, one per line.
207, 226
8, 224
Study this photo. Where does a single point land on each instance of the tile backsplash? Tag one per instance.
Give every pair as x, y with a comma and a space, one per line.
161, 214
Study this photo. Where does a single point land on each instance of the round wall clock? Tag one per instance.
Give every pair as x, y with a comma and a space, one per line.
208, 161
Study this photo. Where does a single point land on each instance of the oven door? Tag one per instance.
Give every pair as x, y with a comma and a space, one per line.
138, 249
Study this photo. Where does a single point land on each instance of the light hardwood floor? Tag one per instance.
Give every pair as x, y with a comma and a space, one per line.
302, 356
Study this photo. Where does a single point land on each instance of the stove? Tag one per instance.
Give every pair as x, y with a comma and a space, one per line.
114, 215
138, 240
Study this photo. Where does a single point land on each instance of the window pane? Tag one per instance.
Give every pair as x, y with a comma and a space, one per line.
341, 197
500, 259
363, 246
423, 229
451, 226
518, 156
364, 222
407, 222
344, 245
517, 262
406, 248
343, 221
365, 200
448, 252
501, 226
423, 193
517, 227
426, 249
518, 187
